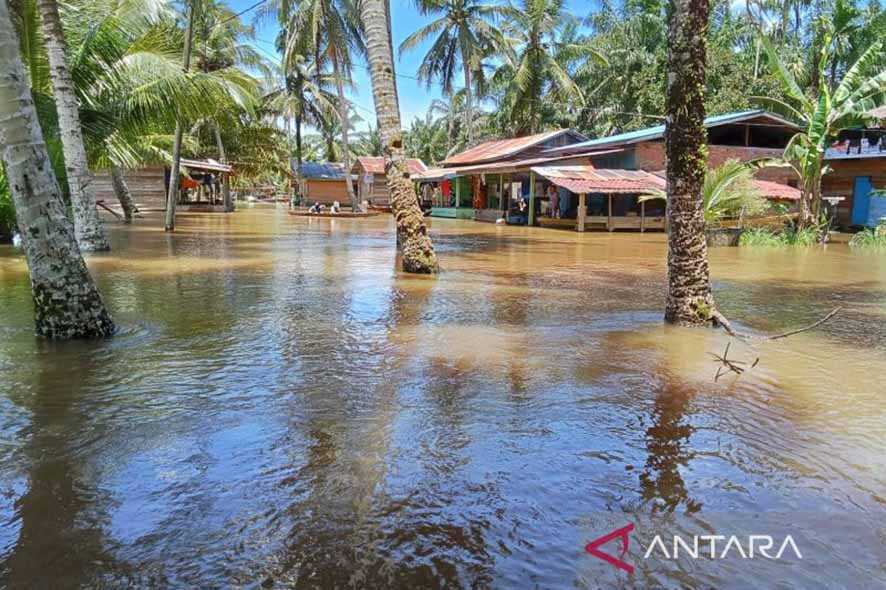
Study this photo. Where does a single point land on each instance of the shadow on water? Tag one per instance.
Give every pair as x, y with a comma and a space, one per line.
668, 449
283, 408
60, 518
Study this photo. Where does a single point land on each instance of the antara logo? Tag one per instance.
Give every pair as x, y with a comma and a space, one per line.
708, 546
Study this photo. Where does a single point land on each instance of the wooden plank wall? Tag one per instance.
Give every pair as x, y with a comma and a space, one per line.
840, 181
145, 184
326, 192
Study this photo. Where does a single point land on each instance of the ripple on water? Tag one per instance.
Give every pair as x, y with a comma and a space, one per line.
282, 407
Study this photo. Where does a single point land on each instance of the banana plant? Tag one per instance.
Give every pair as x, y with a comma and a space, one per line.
824, 114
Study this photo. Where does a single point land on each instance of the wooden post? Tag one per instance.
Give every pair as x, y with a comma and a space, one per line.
457, 192
505, 204
582, 211
531, 198
609, 220
642, 216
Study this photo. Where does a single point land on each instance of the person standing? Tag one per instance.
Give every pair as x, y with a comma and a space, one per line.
554, 201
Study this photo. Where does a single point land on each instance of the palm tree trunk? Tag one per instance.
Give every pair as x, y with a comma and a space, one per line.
345, 124
412, 233
121, 189
298, 146
88, 227
223, 158
172, 193
469, 104
689, 299
67, 303
785, 18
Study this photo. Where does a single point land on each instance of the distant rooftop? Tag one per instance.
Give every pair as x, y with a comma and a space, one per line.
503, 148
376, 165
322, 170
657, 132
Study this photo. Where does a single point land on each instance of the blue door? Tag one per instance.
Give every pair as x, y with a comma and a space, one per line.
861, 200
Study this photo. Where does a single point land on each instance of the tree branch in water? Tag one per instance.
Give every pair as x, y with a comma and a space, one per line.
727, 326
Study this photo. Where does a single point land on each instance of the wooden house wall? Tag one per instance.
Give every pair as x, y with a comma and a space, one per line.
650, 156
326, 191
840, 182
378, 193
147, 186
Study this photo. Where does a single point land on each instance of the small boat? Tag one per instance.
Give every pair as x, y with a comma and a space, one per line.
329, 214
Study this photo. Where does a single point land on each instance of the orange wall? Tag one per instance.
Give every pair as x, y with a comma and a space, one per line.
326, 191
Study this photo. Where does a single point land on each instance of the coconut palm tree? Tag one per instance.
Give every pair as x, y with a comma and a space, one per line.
330, 30
426, 139
172, 193
464, 33
689, 297
862, 89
301, 98
223, 43
412, 232
533, 74
332, 131
370, 143
67, 303
131, 87
88, 227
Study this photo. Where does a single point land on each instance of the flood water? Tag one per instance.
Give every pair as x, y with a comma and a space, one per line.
283, 409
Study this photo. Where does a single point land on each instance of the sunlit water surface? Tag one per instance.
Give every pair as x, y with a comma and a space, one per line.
282, 408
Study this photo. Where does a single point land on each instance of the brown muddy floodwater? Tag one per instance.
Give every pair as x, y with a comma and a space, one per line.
282, 409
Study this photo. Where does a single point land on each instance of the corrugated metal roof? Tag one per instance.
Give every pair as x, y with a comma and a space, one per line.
432, 174
502, 166
208, 164
502, 148
376, 165
587, 179
657, 132
777, 190
322, 171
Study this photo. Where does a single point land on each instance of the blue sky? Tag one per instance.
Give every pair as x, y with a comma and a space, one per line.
415, 97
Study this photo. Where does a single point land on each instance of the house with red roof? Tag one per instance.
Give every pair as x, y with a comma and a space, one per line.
534, 179
372, 185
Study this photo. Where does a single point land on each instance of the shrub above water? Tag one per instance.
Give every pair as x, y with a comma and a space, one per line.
874, 239
788, 237
7, 212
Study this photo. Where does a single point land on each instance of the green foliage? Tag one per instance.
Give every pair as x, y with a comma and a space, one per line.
551, 72
426, 139
538, 76
808, 236
728, 192
870, 239
760, 237
7, 211
828, 108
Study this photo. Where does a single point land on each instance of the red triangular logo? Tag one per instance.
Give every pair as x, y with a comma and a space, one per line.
622, 534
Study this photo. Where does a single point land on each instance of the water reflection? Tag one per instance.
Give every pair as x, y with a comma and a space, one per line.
283, 408
668, 448
60, 516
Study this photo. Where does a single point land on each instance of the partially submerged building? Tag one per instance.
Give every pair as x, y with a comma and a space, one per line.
372, 185
201, 182
857, 173
539, 179
322, 182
